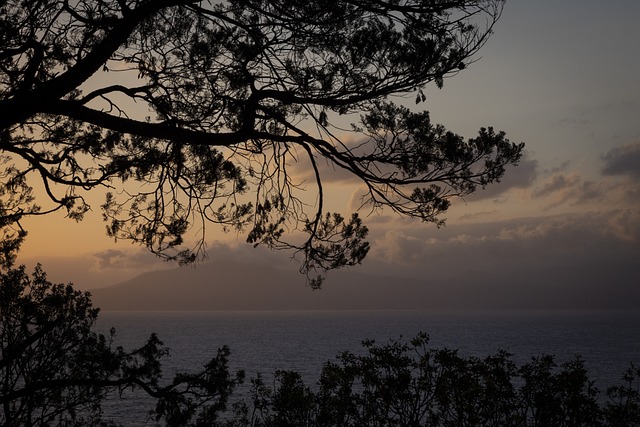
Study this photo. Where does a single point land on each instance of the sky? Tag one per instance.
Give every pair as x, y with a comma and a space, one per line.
559, 75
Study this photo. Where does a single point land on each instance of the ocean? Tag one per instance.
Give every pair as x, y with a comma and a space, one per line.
264, 341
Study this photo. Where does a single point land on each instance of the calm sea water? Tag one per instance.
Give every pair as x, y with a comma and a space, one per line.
303, 341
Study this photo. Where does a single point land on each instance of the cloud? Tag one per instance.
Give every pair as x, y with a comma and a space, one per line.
118, 259
558, 183
625, 225
537, 237
572, 189
474, 216
624, 160
329, 172
359, 201
591, 257
519, 177
618, 187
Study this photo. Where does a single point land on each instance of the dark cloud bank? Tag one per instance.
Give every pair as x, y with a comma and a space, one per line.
623, 161
557, 263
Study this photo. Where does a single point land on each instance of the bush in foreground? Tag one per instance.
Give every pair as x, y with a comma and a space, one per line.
55, 371
409, 384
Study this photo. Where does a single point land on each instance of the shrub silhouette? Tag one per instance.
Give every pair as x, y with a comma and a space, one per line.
409, 384
55, 371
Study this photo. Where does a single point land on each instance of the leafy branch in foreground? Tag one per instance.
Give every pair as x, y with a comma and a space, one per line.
189, 113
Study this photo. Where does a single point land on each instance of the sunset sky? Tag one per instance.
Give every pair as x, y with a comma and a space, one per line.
559, 75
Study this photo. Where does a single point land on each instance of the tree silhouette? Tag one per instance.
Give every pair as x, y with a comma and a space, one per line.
405, 384
235, 113
56, 371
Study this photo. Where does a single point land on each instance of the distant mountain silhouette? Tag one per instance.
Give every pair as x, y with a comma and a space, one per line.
232, 285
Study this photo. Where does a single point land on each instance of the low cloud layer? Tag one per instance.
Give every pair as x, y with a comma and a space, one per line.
572, 189
120, 259
594, 252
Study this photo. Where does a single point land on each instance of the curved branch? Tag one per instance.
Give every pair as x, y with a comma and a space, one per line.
162, 131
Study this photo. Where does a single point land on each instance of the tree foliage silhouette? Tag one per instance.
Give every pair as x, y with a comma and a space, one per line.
56, 371
406, 384
236, 113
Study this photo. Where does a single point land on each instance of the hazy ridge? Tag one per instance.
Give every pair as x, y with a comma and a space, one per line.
232, 285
